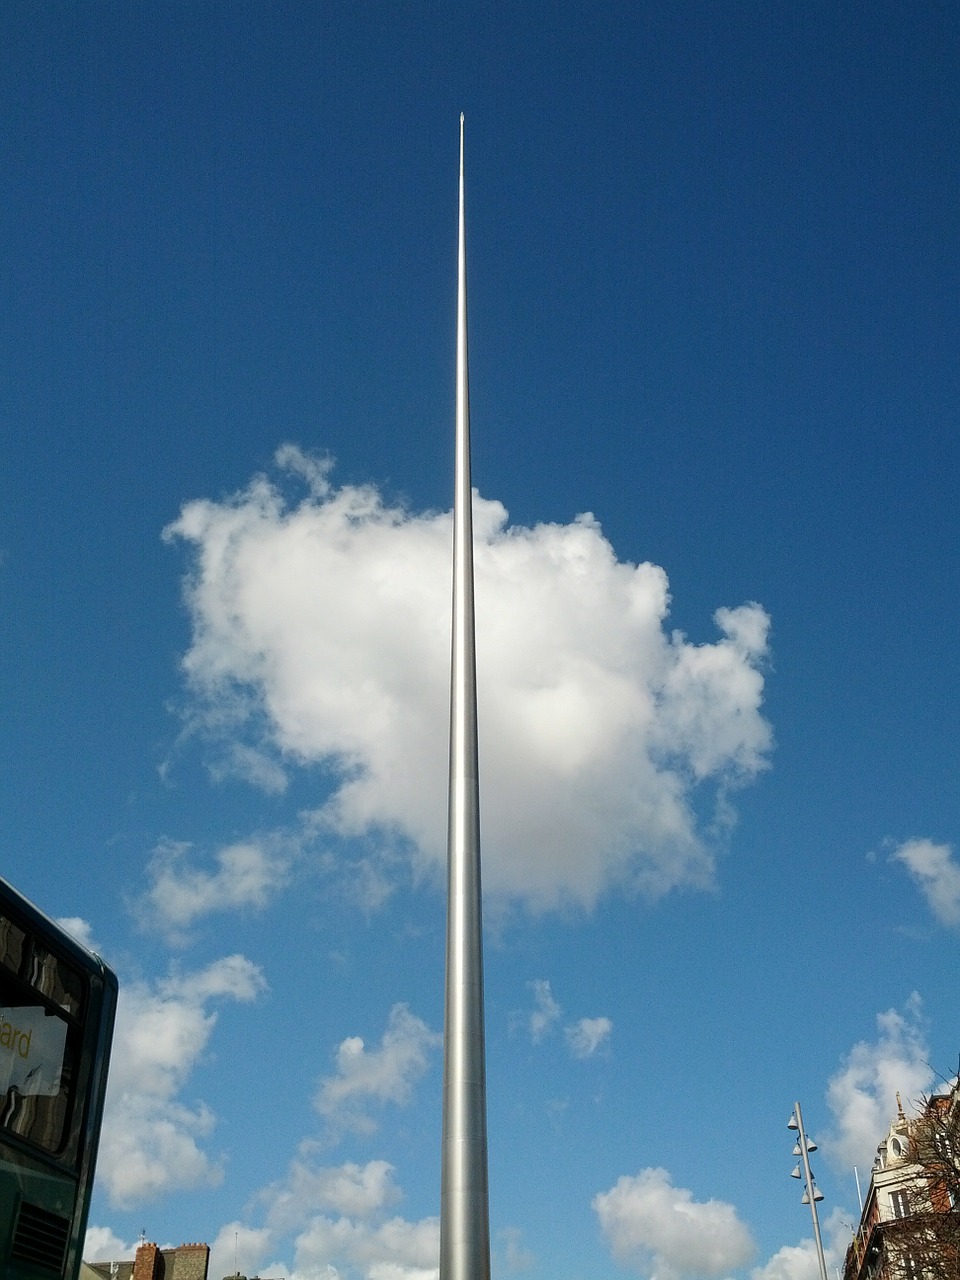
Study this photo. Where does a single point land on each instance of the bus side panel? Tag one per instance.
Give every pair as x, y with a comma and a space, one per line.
40, 1206
93, 1117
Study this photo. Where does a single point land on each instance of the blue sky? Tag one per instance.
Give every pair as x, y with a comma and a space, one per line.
712, 255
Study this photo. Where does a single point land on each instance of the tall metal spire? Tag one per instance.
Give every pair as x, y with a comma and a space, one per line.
464, 1207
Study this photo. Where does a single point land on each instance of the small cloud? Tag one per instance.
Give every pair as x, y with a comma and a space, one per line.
240, 760
515, 1253
661, 1231
247, 875
585, 1037
546, 1013
937, 873
381, 1075
80, 930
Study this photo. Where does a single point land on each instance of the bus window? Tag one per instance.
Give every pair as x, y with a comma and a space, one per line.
11, 945
34, 1081
57, 980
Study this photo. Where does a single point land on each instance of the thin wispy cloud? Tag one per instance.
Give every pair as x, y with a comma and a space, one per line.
516, 1256
321, 634
546, 1012
583, 1038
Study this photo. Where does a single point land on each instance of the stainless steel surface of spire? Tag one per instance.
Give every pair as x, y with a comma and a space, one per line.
464, 1201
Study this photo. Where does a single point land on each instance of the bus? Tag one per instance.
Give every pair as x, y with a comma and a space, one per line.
56, 1026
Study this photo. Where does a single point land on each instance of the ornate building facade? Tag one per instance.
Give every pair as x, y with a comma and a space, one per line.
910, 1225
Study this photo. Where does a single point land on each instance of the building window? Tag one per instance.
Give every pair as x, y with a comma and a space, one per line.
900, 1203
911, 1268
942, 1145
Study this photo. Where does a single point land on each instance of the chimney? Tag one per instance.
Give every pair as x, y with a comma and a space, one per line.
190, 1262
148, 1264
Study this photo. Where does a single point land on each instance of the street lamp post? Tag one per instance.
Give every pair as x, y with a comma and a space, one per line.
811, 1192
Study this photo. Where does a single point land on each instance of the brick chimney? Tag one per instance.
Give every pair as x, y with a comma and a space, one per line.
148, 1264
190, 1262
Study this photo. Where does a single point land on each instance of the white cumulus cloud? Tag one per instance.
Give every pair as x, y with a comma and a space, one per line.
152, 1141
101, 1244
937, 872
321, 634
661, 1231
393, 1250
386, 1074
334, 1220
241, 1248
349, 1190
799, 1261
791, 1262
863, 1094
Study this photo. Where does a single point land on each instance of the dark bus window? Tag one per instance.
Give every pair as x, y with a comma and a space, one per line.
12, 942
56, 980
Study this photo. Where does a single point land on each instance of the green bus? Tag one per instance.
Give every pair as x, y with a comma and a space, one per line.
57, 1007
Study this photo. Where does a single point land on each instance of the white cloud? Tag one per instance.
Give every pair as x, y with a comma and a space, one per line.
585, 1037
334, 1220
348, 1190
394, 1250
938, 875
239, 1248
546, 1013
321, 633
152, 1141
100, 1244
660, 1230
516, 1256
247, 875
791, 1262
799, 1261
863, 1094
382, 1075
79, 929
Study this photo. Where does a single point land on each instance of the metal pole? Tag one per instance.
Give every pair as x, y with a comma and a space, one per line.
811, 1190
464, 1201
